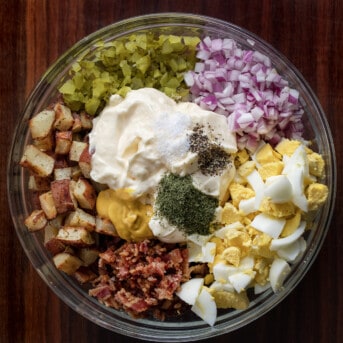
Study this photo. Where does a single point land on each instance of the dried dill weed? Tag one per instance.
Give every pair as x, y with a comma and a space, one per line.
185, 206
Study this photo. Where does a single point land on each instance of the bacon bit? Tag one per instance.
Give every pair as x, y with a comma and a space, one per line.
141, 277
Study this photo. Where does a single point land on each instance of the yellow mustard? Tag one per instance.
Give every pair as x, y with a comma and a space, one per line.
129, 215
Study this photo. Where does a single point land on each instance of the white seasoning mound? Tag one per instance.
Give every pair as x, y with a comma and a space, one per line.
170, 132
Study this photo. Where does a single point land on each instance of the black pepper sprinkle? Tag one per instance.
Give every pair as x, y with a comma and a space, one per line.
212, 159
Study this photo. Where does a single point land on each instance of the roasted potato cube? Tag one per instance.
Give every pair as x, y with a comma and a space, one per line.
104, 226
38, 162
62, 173
77, 125
36, 220
50, 232
76, 150
61, 162
85, 162
63, 142
88, 255
45, 144
47, 204
53, 245
86, 121
41, 124
85, 194
57, 222
84, 275
76, 172
75, 236
67, 263
37, 183
82, 219
63, 196
64, 119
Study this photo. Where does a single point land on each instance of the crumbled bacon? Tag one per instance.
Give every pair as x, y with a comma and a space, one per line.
141, 278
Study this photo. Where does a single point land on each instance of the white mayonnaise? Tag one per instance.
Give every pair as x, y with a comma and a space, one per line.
135, 140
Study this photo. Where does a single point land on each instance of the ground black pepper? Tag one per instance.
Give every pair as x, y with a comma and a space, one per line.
212, 159
185, 206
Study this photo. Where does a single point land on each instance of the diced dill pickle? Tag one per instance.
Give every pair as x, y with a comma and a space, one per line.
68, 87
123, 91
137, 83
172, 83
143, 64
137, 61
92, 105
78, 80
191, 41
126, 69
141, 41
167, 48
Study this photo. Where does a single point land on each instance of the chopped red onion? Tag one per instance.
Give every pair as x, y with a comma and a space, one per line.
245, 87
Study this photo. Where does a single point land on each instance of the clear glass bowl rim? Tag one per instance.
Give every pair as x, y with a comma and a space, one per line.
61, 285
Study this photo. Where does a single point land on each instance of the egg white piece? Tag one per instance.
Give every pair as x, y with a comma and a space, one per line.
247, 206
246, 263
194, 252
268, 224
284, 242
278, 188
294, 251
222, 286
208, 252
298, 160
205, 307
296, 168
256, 182
222, 271
278, 273
296, 177
221, 233
201, 253
258, 289
190, 290
240, 281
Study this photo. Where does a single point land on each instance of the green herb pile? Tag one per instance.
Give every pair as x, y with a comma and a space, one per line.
185, 206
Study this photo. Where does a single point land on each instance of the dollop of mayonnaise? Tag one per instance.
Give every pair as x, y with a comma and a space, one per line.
135, 140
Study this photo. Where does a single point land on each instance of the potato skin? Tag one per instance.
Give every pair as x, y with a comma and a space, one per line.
62, 195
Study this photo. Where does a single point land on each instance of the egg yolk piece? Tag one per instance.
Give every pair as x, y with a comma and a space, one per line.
129, 215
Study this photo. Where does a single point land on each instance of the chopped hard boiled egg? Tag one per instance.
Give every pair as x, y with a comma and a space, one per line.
262, 221
278, 188
240, 281
268, 224
257, 184
239, 301
190, 290
278, 273
284, 242
201, 253
205, 307
221, 271
316, 195
293, 251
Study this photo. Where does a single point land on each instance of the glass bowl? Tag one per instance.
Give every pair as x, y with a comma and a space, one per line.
187, 328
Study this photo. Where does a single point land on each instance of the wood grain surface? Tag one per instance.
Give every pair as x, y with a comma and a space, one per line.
34, 33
